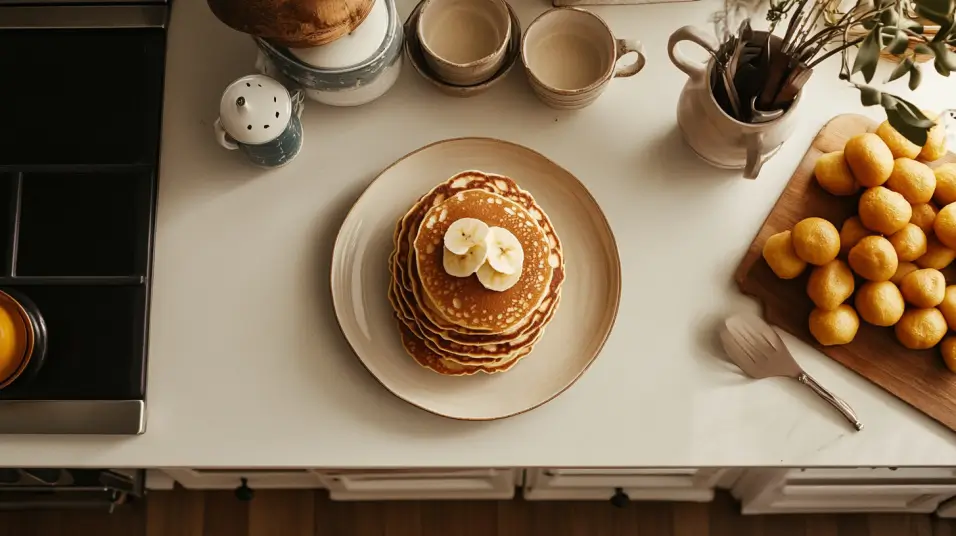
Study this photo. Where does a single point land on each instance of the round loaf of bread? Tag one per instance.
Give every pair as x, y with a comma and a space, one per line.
293, 23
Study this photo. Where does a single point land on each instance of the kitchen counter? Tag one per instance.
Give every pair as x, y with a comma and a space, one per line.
247, 366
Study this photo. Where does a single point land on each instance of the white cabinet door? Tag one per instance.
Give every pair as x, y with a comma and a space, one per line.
419, 484
674, 484
255, 478
916, 490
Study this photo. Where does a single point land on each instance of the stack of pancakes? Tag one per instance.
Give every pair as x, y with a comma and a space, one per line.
454, 325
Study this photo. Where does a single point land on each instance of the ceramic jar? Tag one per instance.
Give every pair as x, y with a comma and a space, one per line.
716, 137
347, 86
259, 117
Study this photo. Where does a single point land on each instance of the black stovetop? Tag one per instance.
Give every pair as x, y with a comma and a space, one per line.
79, 146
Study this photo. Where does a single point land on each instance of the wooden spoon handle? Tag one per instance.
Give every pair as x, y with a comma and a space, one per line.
834, 400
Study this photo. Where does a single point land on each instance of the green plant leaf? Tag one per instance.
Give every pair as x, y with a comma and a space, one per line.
941, 67
939, 17
911, 25
943, 33
944, 55
939, 6
921, 48
890, 102
912, 114
902, 69
899, 43
888, 17
916, 76
914, 134
869, 96
868, 55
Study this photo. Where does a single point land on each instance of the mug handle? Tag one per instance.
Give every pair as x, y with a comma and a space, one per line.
224, 139
626, 46
693, 69
755, 157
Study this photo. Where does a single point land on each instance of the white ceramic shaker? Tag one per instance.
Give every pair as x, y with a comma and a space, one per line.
258, 116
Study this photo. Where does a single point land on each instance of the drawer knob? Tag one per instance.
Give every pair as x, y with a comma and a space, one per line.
620, 499
244, 492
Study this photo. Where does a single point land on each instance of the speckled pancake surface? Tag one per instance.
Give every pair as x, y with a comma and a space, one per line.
404, 266
433, 341
465, 301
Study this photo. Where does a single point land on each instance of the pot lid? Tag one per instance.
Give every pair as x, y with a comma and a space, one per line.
255, 109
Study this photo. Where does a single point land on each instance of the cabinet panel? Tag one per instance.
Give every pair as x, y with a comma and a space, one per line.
769, 491
673, 484
418, 484
255, 478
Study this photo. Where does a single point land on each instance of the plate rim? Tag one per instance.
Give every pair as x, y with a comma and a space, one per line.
616, 264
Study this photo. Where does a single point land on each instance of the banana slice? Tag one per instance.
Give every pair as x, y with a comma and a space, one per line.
504, 251
492, 279
465, 234
467, 264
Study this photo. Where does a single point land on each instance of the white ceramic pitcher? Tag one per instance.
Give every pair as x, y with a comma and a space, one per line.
717, 138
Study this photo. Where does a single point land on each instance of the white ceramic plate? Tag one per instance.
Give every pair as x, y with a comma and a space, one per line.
590, 293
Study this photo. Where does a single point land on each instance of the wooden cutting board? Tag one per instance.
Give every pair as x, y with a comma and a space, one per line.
918, 377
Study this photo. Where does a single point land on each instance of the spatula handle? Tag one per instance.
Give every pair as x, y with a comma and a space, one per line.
834, 400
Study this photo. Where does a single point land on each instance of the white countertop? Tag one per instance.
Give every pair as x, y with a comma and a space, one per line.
247, 366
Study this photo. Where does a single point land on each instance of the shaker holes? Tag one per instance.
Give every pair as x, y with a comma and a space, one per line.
248, 84
248, 127
277, 115
274, 99
267, 126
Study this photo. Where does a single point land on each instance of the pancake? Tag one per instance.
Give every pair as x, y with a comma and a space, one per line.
466, 180
404, 260
430, 360
450, 349
464, 301
471, 355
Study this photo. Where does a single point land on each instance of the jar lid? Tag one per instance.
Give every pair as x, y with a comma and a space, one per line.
255, 109
15, 335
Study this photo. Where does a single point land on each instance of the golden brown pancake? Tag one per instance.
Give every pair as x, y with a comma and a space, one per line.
404, 265
430, 360
460, 351
464, 301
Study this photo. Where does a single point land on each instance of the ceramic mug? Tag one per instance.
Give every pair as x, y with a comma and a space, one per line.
464, 41
571, 55
716, 137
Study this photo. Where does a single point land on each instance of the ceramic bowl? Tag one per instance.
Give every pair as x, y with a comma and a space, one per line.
464, 41
416, 56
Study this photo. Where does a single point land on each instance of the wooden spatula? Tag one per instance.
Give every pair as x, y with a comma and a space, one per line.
759, 351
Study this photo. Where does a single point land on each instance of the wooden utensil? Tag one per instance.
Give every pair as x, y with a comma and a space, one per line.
759, 351
917, 377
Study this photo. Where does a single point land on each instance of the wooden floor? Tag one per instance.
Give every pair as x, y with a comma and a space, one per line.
306, 513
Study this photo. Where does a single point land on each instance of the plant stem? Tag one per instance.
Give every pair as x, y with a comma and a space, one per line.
914, 34
823, 37
841, 48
